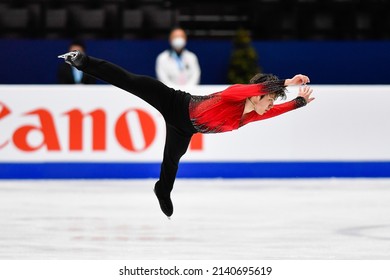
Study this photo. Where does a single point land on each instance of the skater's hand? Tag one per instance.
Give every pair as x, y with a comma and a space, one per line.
297, 80
305, 92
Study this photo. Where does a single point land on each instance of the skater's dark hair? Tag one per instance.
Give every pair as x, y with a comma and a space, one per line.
272, 81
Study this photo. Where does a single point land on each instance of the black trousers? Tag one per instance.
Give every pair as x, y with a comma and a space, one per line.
172, 104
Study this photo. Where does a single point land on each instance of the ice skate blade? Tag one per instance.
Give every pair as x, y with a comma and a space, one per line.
72, 54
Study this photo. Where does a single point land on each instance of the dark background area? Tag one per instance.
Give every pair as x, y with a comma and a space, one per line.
151, 19
36, 62
333, 41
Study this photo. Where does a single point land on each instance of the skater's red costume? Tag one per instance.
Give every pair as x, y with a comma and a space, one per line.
223, 111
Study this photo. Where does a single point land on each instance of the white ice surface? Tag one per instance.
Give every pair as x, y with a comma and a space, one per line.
213, 219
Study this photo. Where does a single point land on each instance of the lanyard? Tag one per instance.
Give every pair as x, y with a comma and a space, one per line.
179, 60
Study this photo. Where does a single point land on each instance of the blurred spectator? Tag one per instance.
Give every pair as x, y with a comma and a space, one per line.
68, 74
178, 66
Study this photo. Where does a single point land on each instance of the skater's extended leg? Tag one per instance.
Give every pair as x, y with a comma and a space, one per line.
150, 90
175, 147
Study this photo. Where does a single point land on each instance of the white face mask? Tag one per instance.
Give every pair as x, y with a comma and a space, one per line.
178, 43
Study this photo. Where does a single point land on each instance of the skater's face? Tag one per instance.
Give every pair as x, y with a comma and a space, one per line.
263, 103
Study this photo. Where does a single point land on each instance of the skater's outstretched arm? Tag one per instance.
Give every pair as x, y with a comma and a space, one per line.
242, 91
304, 97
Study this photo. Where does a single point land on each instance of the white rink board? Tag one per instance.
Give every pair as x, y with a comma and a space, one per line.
344, 123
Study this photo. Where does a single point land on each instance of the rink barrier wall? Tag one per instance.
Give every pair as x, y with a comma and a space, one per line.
95, 132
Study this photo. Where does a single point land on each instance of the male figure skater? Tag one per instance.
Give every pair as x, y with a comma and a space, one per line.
186, 114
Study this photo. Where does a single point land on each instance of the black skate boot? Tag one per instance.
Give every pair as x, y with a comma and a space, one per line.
74, 58
164, 199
